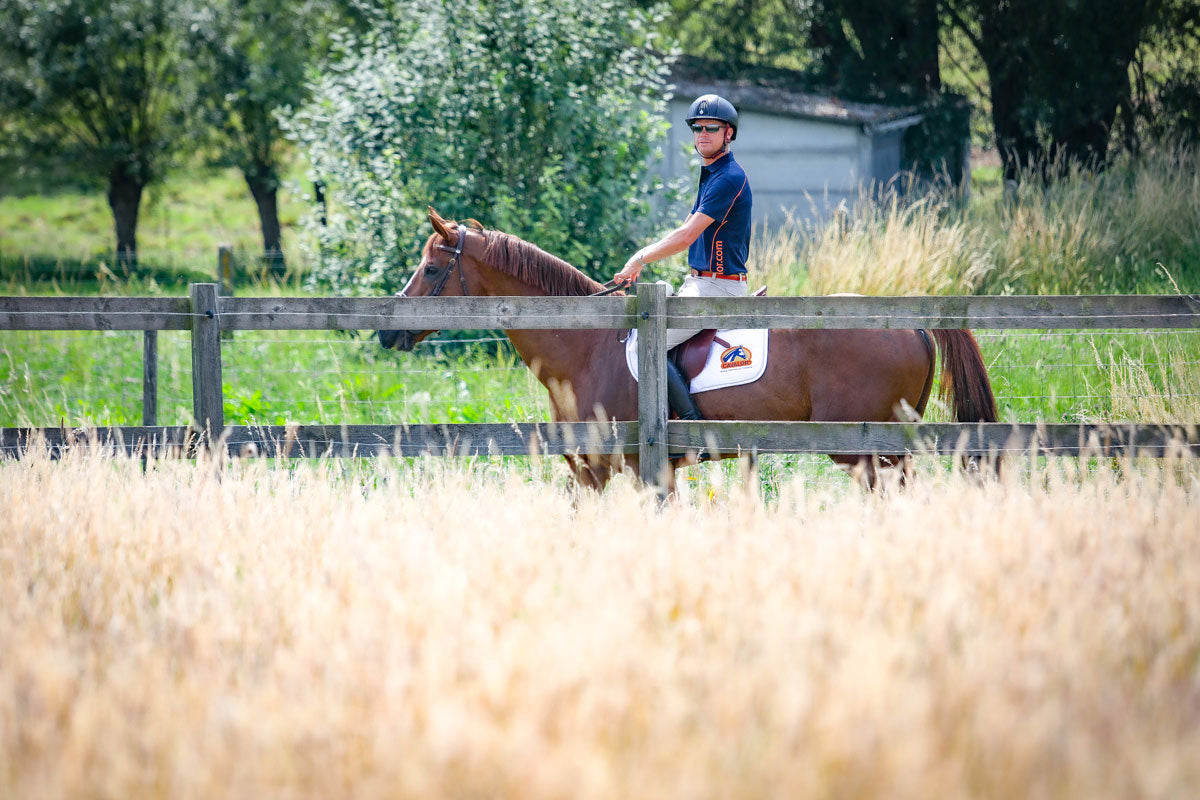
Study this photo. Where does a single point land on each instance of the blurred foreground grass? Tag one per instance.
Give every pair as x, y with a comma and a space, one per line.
440, 629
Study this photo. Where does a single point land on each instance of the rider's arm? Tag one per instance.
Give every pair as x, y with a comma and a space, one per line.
677, 240
674, 242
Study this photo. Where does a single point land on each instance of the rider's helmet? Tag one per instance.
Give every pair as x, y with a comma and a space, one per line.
713, 106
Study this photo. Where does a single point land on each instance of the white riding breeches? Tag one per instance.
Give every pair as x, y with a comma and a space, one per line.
695, 286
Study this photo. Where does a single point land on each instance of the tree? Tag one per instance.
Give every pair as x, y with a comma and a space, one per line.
1164, 90
542, 118
98, 82
252, 59
1057, 70
876, 49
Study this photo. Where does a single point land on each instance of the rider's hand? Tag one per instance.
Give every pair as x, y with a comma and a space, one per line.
633, 268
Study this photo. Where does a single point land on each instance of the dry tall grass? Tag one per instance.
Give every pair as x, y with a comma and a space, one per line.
1082, 233
435, 632
1162, 390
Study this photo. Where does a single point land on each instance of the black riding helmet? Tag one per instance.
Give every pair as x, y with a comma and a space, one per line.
713, 106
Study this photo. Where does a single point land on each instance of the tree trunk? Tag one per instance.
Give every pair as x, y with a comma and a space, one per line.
1018, 147
264, 187
1057, 70
928, 73
319, 196
124, 198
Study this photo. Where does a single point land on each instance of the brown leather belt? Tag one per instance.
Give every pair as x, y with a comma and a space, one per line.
702, 274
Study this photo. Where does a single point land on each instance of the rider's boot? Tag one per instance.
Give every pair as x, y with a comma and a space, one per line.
678, 395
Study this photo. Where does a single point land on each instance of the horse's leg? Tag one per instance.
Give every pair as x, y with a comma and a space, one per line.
861, 468
589, 473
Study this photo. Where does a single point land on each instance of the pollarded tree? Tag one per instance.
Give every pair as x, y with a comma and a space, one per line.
541, 118
97, 82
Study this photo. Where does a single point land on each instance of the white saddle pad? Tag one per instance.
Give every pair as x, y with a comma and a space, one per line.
744, 361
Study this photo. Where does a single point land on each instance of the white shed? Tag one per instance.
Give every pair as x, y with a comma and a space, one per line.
804, 153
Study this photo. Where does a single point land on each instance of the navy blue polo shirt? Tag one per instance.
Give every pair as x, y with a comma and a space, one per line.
724, 195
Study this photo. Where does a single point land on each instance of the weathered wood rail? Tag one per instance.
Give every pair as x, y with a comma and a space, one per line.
550, 439
208, 315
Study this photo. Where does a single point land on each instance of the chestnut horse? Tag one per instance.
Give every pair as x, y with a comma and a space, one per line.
820, 375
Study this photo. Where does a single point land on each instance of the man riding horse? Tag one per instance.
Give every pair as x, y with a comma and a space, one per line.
716, 233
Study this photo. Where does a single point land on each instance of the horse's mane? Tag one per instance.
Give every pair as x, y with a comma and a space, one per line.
530, 264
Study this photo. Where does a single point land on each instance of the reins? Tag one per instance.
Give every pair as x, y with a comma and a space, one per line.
613, 286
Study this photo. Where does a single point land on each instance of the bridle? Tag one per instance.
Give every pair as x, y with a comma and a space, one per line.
455, 261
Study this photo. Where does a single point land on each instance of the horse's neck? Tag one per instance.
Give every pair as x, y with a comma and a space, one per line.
560, 356
576, 367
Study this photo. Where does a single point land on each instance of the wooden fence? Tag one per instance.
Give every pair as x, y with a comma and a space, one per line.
208, 315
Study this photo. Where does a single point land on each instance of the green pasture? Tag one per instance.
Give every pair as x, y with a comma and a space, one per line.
319, 377
58, 236
324, 377
53, 240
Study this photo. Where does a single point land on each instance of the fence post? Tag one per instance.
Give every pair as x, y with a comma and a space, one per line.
206, 360
149, 378
652, 383
225, 268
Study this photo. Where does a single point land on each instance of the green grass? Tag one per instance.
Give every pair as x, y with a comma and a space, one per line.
54, 243
272, 378
310, 377
65, 234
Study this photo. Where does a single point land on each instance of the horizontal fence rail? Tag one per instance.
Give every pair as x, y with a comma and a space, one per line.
1015, 312
209, 316
95, 313
344, 441
425, 313
900, 438
576, 438
509, 313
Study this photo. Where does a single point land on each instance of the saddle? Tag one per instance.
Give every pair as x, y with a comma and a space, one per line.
692, 355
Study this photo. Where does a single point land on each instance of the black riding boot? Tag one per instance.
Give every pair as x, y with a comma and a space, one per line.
678, 395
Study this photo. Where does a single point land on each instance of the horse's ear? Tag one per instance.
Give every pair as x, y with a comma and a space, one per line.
440, 227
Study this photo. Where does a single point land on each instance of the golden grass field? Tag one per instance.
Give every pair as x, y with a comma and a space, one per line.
438, 629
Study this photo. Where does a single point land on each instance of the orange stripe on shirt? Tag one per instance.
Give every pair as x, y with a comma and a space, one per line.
723, 220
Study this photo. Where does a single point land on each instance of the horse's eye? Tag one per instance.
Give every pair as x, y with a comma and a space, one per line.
431, 269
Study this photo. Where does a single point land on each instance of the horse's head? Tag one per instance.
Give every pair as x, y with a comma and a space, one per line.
438, 275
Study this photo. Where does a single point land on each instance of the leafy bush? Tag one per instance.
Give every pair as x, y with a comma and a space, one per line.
542, 118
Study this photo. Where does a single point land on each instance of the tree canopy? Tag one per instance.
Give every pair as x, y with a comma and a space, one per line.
98, 83
540, 117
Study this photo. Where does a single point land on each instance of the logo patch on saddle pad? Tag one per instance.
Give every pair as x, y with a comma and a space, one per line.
736, 357
743, 361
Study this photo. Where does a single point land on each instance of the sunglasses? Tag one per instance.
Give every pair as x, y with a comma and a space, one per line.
710, 128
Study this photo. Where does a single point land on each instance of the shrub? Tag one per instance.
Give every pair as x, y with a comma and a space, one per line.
542, 118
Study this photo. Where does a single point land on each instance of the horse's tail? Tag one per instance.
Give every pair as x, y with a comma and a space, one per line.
964, 377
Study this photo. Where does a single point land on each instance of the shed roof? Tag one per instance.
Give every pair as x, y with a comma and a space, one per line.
782, 92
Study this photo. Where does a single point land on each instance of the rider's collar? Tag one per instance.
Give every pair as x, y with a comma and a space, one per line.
721, 162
